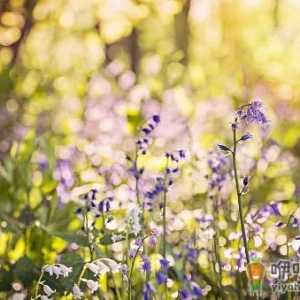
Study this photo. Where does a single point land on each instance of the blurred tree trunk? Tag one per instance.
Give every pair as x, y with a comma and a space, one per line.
134, 51
130, 45
28, 8
3, 6
182, 31
276, 9
7, 83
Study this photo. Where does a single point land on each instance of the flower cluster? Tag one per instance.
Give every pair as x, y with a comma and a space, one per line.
253, 113
219, 167
162, 274
59, 270
143, 141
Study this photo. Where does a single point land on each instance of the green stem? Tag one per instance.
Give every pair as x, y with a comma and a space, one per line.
164, 250
87, 230
216, 246
165, 212
239, 195
81, 274
38, 284
131, 269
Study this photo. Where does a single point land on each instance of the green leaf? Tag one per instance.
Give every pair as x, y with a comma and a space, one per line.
6, 279
25, 271
74, 261
62, 284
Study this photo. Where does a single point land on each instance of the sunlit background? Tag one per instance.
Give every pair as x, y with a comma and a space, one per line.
78, 78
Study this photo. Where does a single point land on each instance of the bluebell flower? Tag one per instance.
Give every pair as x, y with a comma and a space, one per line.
246, 137
184, 294
154, 193
219, 166
148, 291
196, 290
164, 263
156, 118
143, 141
161, 278
253, 113
146, 265
192, 254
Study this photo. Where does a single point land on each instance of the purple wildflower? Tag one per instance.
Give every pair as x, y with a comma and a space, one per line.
184, 294
196, 290
156, 118
164, 263
161, 278
246, 137
253, 113
64, 175
218, 164
146, 131
192, 254
146, 265
148, 291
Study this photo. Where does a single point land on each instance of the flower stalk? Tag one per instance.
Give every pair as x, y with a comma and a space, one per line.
238, 192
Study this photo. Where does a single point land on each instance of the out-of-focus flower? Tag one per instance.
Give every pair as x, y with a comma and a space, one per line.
164, 263
152, 240
146, 264
48, 291
92, 285
64, 175
77, 293
184, 294
196, 290
98, 268
161, 278
137, 246
134, 220
148, 291
58, 270
219, 166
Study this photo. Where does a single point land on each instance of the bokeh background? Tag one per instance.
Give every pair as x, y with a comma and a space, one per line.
78, 77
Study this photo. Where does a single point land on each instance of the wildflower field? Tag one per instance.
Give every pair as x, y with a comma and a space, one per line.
149, 150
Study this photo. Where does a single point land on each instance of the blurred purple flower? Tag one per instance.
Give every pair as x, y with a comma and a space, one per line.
161, 278
146, 265
218, 164
164, 263
148, 291
184, 294
64, 175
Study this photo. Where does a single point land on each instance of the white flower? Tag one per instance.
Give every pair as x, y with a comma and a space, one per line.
43, 297
134, 220
58, 270
92, 285
47, 290
98, 267
18, 296
65, 270
77, 293
114, 267
93, 267
117, 237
